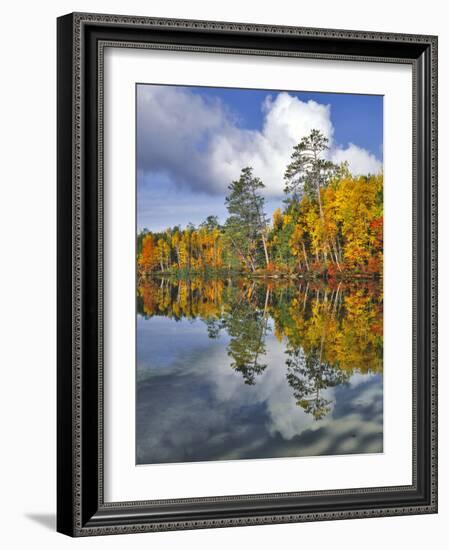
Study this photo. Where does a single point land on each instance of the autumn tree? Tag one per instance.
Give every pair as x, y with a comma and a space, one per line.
163, 253
359, 213
148, 257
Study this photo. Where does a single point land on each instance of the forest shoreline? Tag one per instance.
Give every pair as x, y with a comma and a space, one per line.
330, 227
305, 276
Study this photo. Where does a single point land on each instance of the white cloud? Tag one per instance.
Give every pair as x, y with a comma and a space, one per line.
360, 160
286, 120
198, 143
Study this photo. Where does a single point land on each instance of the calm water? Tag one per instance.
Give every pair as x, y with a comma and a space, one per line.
241, 369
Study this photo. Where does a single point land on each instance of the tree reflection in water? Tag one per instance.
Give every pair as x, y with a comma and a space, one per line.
247, 328
331, 329
308, 376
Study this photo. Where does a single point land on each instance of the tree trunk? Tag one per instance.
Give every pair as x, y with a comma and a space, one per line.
305, 256
252, 264
240, 254
336, 256
265, 249
339, 249
267, 298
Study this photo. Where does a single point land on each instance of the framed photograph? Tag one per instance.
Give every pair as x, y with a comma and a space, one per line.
247, 279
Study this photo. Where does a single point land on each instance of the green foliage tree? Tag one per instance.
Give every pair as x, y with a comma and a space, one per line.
308, 172
210, 223
247, 223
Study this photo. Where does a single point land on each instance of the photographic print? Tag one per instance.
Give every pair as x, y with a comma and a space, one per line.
244, 309
259, 274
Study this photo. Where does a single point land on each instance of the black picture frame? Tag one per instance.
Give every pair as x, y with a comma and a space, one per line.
81, 509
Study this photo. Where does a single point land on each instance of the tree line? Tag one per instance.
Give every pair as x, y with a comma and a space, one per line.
331, 224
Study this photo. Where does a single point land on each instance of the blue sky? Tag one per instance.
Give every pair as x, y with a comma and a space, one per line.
192, 142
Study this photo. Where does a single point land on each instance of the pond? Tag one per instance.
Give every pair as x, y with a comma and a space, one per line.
241, 368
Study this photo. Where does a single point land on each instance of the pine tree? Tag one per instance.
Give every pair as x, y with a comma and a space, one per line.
247, 223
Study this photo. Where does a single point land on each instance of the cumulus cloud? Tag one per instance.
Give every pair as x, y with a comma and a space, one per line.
360, 160
199, 144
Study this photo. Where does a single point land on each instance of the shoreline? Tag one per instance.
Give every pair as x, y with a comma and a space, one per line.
305, 276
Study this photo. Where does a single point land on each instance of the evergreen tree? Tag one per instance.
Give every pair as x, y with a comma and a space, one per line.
247, 223
308, 171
